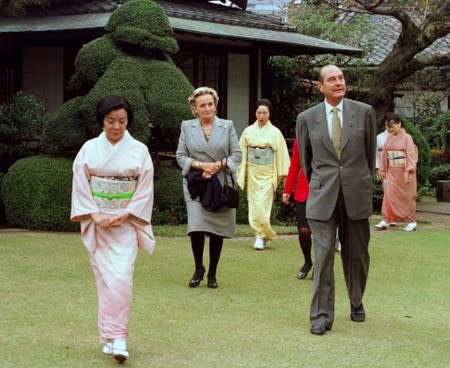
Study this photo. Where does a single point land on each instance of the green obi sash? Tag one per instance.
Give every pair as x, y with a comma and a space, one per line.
112, 192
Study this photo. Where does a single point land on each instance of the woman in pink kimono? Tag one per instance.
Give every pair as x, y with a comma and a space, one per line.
398, 170
112, 197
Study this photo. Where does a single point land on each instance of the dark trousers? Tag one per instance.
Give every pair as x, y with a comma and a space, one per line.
354, 236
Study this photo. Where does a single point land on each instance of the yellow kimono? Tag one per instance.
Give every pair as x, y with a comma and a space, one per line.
265, 160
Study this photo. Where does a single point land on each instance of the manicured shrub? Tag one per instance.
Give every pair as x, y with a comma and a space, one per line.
36, 194
169, 206
133, 60
441, 172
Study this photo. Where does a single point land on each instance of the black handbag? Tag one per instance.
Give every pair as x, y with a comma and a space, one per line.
230, 193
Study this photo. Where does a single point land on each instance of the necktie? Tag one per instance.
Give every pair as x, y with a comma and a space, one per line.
336, 132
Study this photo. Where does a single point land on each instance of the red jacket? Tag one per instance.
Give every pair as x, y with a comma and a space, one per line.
296, 177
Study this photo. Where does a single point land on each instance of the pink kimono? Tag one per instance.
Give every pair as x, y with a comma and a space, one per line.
398, 158
111, 179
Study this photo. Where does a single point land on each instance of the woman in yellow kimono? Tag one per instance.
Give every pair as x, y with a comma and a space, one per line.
265, 161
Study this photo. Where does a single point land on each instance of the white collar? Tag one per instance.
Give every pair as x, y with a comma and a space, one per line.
329, 108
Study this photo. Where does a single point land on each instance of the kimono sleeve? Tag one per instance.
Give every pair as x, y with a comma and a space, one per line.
83, 203
242, 169
141, 205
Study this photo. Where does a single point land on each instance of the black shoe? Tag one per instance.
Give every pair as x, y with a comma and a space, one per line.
197, 277
318, 329
358, 314
303, 272
212, 282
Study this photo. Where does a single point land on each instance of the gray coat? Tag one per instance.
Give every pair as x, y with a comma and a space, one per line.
192, 145
326, 173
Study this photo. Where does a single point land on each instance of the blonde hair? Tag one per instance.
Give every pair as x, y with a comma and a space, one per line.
200, 91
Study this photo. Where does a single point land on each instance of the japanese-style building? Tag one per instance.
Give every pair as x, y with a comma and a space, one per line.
222, 46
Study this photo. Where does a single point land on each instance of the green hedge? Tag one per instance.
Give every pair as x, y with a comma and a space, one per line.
169, 207
2, 208
36, 194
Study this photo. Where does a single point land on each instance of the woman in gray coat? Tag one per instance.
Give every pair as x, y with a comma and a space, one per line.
209, 145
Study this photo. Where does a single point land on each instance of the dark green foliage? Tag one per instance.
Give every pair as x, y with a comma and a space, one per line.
169, 206
424, 163
439, 130
441, 172
377, 194
242, 211
143, 24
21, 124
92, 61
2, 209
282, 214
36, 194
66, 130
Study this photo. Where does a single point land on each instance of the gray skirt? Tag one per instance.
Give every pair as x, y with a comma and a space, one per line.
221, 223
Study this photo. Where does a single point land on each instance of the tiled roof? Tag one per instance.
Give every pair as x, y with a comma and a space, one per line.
196, 17
187, 9
386, 30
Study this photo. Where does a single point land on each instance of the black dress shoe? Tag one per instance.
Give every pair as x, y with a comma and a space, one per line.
319, 329
358, 314
212, 282
303, 272
197, 277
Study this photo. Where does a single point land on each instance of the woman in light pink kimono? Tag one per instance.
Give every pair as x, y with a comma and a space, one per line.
398, 169
112, 197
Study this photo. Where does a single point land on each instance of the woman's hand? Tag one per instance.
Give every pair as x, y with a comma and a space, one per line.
285, 198
382, 175
210, 169
101, 219
119, 220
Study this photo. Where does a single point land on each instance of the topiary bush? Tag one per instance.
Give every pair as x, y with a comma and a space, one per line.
424, 163
36, 193
132, 59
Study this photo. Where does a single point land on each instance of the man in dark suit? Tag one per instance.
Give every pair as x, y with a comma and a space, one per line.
337, 140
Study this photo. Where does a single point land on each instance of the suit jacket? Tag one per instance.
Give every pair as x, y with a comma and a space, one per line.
192, 145
326, 173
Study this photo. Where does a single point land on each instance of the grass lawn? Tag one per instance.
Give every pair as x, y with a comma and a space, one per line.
258, 317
